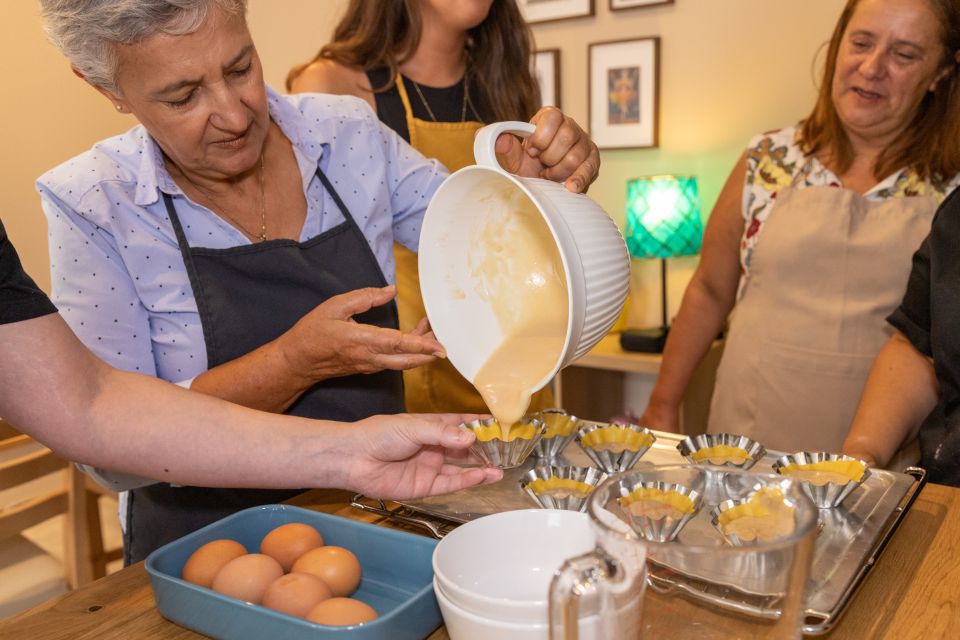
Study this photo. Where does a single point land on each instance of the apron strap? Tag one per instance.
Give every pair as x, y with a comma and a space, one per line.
195, 283
350, 220
407, 110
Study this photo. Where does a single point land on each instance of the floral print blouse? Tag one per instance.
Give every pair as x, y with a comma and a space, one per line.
775, 160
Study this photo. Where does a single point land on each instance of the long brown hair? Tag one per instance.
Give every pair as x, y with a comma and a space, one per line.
930, 145
385, 33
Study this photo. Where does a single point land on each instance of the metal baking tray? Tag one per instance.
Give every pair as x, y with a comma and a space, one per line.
850, 541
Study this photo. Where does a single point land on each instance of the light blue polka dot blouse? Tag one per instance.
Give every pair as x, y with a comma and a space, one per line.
117, 273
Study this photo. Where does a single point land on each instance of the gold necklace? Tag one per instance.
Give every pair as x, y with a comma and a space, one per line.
463, 109
258, 237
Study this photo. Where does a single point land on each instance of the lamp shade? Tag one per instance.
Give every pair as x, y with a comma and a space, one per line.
663, 217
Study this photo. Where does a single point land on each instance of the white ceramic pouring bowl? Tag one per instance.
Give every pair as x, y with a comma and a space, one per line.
592, 250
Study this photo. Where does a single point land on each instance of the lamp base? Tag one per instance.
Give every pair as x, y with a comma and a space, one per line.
644, 340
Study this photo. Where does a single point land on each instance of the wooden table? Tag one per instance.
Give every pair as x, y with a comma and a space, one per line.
913, 592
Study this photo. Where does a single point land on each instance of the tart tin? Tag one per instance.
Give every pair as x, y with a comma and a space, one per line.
692, 445
561, 430
727, 505
505, 454
593, 434
543, 483
666, 527
831, 494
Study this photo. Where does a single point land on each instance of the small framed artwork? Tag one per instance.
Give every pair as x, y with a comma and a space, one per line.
617, 5
624, 86
550, 10
546, 69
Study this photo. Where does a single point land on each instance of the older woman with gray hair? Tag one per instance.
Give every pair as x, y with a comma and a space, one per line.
236, 241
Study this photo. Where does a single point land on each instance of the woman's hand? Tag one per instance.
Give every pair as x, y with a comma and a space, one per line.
662, 417
409, 456
558, 150
328, 343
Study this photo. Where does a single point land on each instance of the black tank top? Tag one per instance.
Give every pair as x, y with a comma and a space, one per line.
445, 102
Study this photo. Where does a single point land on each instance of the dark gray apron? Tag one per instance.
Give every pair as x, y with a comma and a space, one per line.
246, 297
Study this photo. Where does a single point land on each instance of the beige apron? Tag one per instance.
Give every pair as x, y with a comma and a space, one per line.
829, 269
437, 387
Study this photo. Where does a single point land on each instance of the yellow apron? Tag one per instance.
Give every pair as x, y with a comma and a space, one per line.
437, 387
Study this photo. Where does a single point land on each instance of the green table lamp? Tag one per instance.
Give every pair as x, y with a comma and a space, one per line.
663, 221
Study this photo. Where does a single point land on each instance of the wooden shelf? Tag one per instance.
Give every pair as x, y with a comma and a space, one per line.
592, 388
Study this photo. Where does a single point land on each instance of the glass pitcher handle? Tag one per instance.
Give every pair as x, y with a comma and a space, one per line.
576, 578
484, 144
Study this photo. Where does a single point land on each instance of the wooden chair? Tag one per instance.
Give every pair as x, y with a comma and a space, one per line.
85, 559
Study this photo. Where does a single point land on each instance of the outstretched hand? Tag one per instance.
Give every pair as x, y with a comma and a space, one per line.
328, 342
558, 150
409, 456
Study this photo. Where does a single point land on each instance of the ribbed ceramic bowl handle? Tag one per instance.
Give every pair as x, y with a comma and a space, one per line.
484, 144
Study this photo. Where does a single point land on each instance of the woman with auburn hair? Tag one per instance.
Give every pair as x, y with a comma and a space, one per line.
435, 71
811, 238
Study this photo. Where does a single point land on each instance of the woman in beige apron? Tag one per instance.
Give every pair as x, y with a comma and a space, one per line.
812, 235
830, 267
438, 122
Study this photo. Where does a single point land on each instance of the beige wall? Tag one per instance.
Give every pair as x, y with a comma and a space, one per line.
49, 115
729, 69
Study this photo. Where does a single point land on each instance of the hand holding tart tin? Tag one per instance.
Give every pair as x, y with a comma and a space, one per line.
828, 478
615, 447
504, 450
566, 488
722, 450
561, 429
658, 510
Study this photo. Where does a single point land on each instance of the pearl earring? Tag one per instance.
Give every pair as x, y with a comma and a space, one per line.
119, 108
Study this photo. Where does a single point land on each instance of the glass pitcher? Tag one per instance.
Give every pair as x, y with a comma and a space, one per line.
690, 552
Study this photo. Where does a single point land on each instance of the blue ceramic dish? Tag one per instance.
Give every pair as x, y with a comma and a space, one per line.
397, 580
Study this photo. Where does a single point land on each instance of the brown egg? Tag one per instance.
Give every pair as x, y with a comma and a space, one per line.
204, 564
336, 566
288, 542
296, 594
247, 577
341, 612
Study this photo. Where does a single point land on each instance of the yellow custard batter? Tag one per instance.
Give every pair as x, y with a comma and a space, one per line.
522, 430
766, 516
827, 471
721, 454
559, 487
558, 424
616, 439
657, 504
516, 267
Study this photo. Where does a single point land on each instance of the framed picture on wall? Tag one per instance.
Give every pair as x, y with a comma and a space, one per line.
550, 10
617, 5
546, 69
623, 88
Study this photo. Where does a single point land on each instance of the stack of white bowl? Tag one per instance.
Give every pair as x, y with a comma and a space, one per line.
492, 575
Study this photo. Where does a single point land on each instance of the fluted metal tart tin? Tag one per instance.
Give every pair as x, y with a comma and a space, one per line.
551, 446
689, 446
615, 461
666, 528
574, 499
830, 494
505, 454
